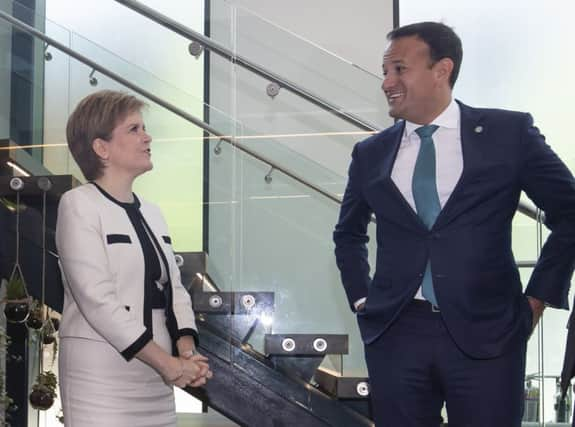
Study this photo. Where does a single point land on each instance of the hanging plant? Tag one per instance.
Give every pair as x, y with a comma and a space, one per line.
5, 400
35, 319
44, 391
56, 323
49, 339
48, 332
17, 299
17, 306
60, 416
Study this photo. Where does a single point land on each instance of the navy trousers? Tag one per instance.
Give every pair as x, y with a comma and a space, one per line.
415, 366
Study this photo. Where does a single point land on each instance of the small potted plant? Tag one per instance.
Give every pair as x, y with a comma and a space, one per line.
56, 323
17, 306
44, 391
35, 320
48, 332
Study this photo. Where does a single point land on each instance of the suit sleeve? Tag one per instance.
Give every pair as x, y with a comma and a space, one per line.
84, 263
350, 236
549, 183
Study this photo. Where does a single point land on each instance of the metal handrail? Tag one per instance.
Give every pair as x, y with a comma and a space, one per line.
217, 48
522, 207
226, 53
186, 116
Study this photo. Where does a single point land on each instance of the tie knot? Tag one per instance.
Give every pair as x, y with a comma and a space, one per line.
426, 131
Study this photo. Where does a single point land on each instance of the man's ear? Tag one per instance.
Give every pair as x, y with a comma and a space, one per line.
100, 147
443, 69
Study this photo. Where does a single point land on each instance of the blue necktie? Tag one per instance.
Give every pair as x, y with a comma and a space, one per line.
425, 194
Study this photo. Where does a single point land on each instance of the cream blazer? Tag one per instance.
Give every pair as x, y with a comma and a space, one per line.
102, 265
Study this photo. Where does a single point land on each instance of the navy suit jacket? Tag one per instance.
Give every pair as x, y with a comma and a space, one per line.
475, 276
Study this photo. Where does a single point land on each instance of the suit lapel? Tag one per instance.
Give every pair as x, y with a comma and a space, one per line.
391, 148
472, 131
389, 155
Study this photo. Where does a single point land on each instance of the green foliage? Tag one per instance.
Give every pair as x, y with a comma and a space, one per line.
15, 289
46, 382
36, 309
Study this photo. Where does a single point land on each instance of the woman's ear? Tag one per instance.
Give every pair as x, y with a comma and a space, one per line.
100, 147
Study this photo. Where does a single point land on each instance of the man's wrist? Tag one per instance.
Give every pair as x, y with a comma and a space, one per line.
536, 304
359, 304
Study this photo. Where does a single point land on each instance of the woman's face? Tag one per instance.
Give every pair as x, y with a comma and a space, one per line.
128, 150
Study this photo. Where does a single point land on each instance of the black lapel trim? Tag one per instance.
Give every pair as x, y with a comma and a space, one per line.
118, 238
134, 204
135, 215
171, 321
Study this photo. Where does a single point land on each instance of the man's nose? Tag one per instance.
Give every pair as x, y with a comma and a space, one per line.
387, 83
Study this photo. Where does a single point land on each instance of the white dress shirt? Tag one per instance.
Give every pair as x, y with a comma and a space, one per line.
448, 158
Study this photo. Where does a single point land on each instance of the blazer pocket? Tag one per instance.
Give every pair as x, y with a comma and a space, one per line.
118, 238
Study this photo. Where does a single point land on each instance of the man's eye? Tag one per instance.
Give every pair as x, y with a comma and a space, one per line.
399, 69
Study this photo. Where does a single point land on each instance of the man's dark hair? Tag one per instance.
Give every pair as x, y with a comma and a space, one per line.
441, 39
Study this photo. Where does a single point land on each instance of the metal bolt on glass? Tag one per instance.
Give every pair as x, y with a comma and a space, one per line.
362, 389
216, 301
319, 345
195, 49
93, 80
248, 301
268, 178
16, 184
47, 55
272, 90
44, 183
179, 260
288, 344
217, 148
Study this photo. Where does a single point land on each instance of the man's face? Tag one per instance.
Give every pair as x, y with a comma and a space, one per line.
411, 83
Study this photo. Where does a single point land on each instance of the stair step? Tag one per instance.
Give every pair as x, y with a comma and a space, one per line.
305, 344
32, 186
342, 387
239, 303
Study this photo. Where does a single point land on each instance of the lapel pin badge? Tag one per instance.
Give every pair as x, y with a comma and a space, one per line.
478, 129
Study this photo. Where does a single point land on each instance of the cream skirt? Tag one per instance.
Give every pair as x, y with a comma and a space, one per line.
99, 388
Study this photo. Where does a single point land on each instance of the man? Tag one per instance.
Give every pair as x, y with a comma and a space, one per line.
444, 318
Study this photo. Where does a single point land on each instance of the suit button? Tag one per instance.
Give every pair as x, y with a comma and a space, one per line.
420, 274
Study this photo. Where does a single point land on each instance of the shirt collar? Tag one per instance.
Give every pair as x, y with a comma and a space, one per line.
449, 118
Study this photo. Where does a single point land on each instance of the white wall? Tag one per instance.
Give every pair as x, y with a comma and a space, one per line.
351, 30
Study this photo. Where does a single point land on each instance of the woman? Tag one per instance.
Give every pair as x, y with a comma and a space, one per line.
125, 309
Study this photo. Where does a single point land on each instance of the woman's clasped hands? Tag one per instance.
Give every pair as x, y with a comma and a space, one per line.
192, 371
